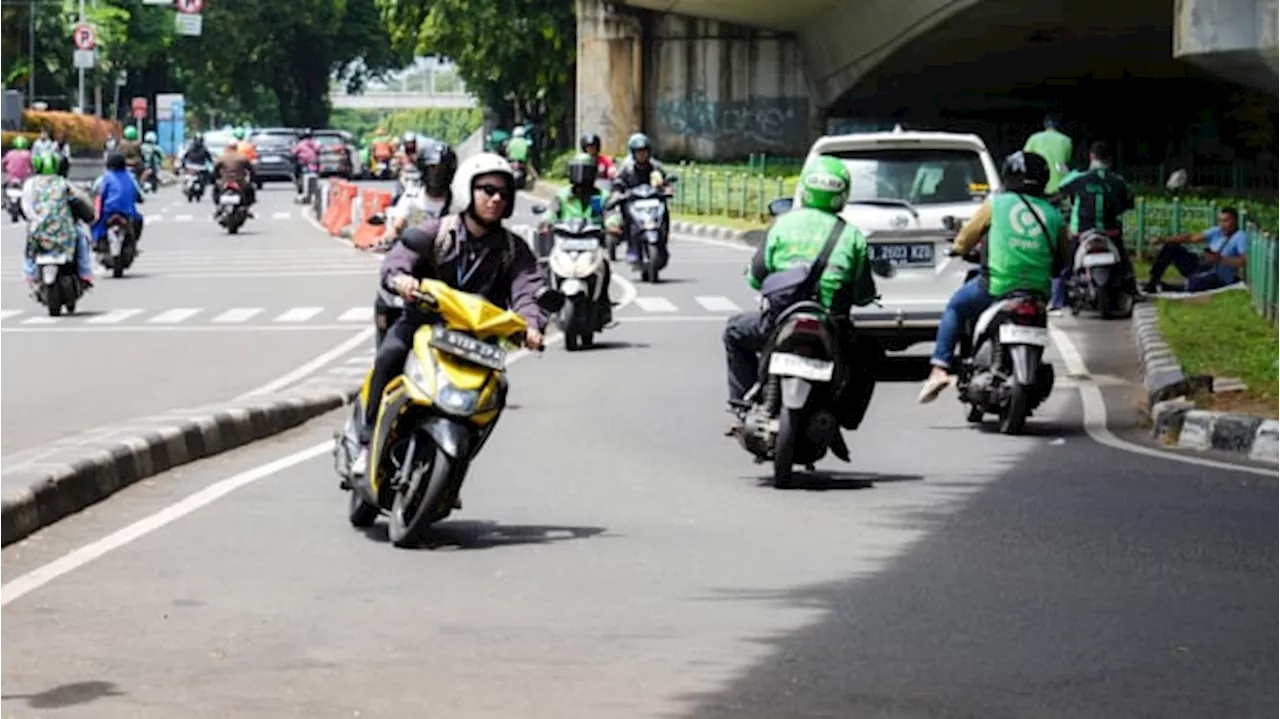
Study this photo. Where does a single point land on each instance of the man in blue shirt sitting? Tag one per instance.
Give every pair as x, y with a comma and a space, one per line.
120, 195
1225, 249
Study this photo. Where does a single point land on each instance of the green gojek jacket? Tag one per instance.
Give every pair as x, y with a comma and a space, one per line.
798, 237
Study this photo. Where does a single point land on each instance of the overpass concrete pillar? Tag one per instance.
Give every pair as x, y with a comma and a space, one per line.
609, 73
1235, 39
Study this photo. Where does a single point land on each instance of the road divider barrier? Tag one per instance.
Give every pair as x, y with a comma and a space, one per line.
371, 203
341, 207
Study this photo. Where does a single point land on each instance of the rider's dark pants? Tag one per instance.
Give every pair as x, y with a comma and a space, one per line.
387, 364
744, 338
384, 315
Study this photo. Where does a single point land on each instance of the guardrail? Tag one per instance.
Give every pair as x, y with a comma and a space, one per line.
1262, 274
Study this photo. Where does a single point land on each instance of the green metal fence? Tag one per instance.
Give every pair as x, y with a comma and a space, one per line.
1262, 274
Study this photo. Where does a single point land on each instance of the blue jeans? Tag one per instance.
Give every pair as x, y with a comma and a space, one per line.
84, 259
1200, 275
967, 303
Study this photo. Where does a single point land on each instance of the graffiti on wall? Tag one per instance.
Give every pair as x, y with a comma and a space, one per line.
763, 121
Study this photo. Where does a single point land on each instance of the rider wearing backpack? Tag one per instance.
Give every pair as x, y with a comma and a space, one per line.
470, 251
797, 241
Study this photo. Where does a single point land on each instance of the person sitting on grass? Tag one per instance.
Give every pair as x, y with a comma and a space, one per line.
1226, 248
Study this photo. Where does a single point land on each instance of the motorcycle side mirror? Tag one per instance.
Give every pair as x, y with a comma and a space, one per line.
950, 223
549, 300
780, 206
378, 220
539, 209
883, 268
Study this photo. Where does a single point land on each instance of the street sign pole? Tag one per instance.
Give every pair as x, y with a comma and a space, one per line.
83, 99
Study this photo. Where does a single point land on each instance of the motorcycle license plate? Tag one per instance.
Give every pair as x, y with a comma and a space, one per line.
1100, 258
469, 348
579, 244
13, 194
648, 204
1019, 335
229, 199
803, 367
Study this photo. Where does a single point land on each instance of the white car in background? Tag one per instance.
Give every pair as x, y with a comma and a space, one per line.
903, 184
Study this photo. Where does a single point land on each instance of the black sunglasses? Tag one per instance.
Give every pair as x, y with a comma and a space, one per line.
495, 190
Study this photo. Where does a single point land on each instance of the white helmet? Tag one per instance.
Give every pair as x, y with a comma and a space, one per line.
519, 132
485, 163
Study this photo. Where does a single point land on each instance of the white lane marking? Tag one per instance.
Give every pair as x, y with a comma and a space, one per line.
1095, 414
75, 559
182, 218
357, 314
629, 290
97, 549
41, 320
6, 314
299, 373
717, 304
181, 328
174, 316
113, 317
655, 304
280, 215
673, 318
299, 314
238, 314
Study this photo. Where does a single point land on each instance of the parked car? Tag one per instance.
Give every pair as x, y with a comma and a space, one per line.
903, 184
337, 153
275, 153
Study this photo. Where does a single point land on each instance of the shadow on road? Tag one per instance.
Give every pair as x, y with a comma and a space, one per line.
902, 368
1078, 582
485, 534
67, 695
826, 481
617, 346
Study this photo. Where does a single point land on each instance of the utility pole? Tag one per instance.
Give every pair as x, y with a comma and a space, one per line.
83, 100
31, 56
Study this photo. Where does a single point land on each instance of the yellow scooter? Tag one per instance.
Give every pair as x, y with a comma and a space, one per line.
436, 415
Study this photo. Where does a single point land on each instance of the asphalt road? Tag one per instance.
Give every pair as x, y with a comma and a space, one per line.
617, 557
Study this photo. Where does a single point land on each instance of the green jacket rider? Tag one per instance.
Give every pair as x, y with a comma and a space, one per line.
795, 239
1019, 255
581, 199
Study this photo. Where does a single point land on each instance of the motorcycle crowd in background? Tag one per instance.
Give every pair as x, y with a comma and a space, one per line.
456, 289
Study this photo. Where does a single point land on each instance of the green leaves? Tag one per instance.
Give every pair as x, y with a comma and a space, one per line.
510, 53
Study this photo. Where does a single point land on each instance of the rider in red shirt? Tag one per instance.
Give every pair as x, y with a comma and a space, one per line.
590, 144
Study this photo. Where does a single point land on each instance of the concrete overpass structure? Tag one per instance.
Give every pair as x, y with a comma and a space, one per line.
718, 78
402, 100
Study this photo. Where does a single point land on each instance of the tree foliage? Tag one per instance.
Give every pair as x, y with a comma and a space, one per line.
516, 56
259, 60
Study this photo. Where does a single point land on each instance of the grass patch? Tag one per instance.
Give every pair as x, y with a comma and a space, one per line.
1221, 335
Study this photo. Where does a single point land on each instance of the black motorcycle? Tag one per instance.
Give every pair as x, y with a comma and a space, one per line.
645, 215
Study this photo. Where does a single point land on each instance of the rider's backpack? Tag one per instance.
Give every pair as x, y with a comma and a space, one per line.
798, 283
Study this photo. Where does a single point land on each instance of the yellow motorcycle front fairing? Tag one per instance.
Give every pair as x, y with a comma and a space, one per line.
473, 314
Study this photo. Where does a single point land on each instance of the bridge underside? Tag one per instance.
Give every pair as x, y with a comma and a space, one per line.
402, 101
771, 80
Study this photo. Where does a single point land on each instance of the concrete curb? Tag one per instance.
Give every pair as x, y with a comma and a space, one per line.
1174, 418
90, 469
749, 238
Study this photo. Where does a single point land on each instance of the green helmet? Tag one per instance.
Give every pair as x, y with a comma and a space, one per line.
824, 184
131, 133
45, 164
20, 143
238, 133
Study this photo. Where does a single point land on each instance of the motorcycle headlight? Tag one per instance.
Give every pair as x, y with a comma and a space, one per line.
461, 402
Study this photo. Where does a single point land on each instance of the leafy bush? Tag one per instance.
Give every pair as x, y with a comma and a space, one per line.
7, 138
86, 133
